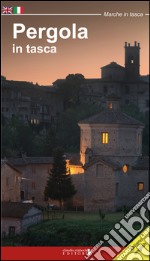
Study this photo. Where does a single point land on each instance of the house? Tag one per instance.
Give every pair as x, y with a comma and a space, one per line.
17, 217
10, 182
30, 102
35, 171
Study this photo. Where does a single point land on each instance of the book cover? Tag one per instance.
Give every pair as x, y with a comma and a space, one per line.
75, 130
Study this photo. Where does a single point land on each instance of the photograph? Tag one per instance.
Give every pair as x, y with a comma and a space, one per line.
75, 130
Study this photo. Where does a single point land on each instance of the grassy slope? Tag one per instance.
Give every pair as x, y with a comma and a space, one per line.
77, 228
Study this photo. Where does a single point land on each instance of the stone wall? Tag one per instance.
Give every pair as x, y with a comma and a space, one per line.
78, 181
127, 192
34, 182
10, 222
99, 188
10, 179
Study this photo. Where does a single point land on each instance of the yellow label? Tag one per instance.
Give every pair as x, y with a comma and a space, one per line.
138, 249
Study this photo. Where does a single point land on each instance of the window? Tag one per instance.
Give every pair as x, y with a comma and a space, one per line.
104, 137
131, 59
22, 195
140, 186
125, 168
7, 182
33, 185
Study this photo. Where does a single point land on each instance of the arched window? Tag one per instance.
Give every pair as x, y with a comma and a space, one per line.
125, 168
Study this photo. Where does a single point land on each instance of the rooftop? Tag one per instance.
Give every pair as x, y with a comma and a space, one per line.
111, 116
6, 162
104, 160
15, 209
113, 65
31, 160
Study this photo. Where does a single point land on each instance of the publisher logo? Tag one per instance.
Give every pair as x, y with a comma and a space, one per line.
123, 233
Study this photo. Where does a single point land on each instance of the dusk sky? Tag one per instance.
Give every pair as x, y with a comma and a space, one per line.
105, 43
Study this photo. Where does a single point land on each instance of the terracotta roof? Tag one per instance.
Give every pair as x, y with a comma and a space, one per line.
31, 160
105, 160
15, 209
142, 163
111, 116
113, 65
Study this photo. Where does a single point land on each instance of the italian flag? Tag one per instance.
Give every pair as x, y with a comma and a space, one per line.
18, 10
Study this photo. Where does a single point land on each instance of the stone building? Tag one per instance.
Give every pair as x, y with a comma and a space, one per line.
10, 182
29, 102
35, 171
17, 217
126, 82
110, 170
115, 172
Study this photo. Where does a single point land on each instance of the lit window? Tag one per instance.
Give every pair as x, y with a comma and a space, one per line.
110, 105
104, 137
132, 61
140, 186
125, 168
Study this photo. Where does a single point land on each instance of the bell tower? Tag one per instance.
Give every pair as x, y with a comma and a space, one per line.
132, 60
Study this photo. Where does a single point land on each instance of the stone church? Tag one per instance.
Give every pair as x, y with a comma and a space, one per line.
113, 173
124, 81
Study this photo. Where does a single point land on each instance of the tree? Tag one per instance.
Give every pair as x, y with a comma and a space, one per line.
71, 88
59, 184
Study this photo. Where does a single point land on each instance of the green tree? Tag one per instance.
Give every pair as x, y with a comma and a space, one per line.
70, 89
59, 184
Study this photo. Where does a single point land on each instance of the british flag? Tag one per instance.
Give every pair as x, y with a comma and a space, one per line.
7, 10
